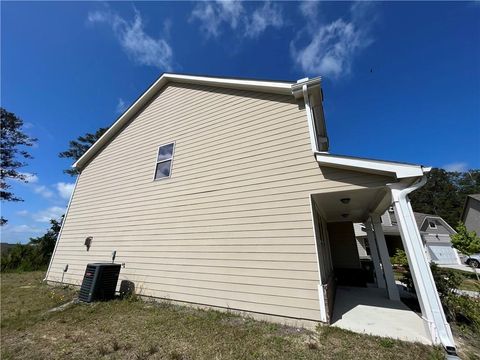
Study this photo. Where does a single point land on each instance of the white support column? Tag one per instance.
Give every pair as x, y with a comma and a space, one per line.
385, 259
432, 311
374, 253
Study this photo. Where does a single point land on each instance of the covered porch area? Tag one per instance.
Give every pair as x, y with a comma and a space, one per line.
359, 297
370, 311
363, 298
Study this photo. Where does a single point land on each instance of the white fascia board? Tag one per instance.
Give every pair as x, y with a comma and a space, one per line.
282, 88
241, 84
399, 170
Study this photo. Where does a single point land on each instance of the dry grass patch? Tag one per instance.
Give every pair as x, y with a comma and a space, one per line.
140, 330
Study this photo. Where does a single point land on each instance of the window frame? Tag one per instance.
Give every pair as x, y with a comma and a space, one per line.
165, 160
430, 225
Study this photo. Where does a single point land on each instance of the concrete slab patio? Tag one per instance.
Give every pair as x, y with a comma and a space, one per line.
368, 310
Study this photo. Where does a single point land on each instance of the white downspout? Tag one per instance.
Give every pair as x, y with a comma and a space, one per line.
429, 300
311, 123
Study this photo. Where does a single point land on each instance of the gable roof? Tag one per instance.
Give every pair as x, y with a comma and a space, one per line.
474, 196
420, 218
274, 87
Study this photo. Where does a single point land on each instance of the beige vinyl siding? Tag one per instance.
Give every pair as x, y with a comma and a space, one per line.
232, 227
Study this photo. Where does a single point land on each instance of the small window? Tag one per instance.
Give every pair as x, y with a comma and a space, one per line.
432, 225
163, 167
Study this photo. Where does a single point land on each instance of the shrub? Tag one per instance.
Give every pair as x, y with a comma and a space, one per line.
33, 256
462, 309
400, 258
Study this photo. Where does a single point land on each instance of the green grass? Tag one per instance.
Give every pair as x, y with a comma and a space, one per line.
131, 329
470, 284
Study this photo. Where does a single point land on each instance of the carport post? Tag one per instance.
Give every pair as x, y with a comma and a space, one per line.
385, 259
374, 252
429, 300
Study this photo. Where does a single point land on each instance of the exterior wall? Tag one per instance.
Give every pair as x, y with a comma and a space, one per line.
437, 239
472, 215
343, 245
231, 228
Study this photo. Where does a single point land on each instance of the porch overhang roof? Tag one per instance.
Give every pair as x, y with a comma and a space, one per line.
389, 168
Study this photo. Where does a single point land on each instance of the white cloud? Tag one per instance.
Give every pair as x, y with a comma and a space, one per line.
22, 213
29, 178
268, 15
456, 166
65, 189
23, 229
212, 15
33, 183
138, 45
309, 9
53, 212
19, 233
43, 191
332, 47
121, 106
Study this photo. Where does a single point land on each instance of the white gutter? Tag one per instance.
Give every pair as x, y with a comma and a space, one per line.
429, 300
311, 122
310, 91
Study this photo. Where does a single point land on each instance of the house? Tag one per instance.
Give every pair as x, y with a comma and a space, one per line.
435, 233
471, 213
221, 192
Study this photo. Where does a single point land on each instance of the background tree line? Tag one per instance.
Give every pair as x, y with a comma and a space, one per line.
445, 192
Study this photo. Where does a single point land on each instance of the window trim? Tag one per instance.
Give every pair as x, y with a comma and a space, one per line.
169, 159
430, 225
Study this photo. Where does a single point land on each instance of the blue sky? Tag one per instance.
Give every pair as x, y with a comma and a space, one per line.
401, 80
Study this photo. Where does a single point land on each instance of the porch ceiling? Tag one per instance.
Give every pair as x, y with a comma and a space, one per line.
360, 204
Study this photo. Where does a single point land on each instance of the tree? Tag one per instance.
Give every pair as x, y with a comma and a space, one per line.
79, 146
46, 243
13, 142
469, 182
467, 242
445, 192
36, 254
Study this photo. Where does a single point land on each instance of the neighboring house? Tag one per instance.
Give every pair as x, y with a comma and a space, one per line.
221, 192
435, 233
471, 213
